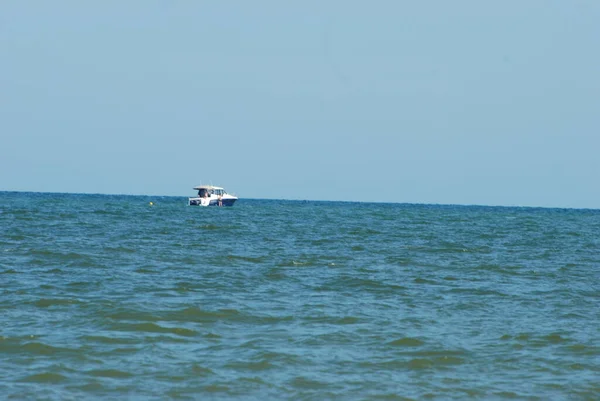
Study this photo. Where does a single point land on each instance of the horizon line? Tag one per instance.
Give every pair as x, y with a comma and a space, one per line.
310, 200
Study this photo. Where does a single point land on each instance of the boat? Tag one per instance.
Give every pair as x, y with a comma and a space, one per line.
209, 195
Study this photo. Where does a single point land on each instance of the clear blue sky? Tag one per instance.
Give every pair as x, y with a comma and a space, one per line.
466, 102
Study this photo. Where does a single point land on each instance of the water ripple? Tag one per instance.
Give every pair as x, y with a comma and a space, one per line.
104, 297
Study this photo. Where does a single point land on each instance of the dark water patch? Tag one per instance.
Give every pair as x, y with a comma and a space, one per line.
171, 378
145, 270
199, 370
253, 366
523, 336
9, 271
55, 270
507, 394
555, 338
47, 377
47, 287
390, 397
67, 216
49, 302
16, 237
447, 360
93, 387
583, 349
437, 354
419, 363
478, 292
82, 284
194, 314
345, 320
109, 373
198, 315
120, 351
407, 342
213, 388
420, 280
253, 344
533, 340
41, 349
332, 320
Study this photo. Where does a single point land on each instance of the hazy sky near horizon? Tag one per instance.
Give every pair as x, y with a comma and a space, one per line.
463, 102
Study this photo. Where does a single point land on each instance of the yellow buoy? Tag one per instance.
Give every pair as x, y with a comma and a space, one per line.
151, 204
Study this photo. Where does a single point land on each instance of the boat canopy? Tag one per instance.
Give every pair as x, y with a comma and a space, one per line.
208, 187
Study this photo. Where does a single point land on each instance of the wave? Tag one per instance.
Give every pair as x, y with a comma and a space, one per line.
41, 349
109, 373
46, 377
49, 302
153, 328
407, 342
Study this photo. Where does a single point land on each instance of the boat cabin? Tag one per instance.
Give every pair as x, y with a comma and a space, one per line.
205, 191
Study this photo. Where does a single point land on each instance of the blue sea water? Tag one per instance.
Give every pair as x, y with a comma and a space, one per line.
108, 297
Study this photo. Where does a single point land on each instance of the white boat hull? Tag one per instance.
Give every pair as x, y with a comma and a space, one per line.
213, 200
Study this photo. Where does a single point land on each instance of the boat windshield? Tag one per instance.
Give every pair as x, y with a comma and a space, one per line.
205, 192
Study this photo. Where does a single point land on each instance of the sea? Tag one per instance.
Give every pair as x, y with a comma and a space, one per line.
114, 297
